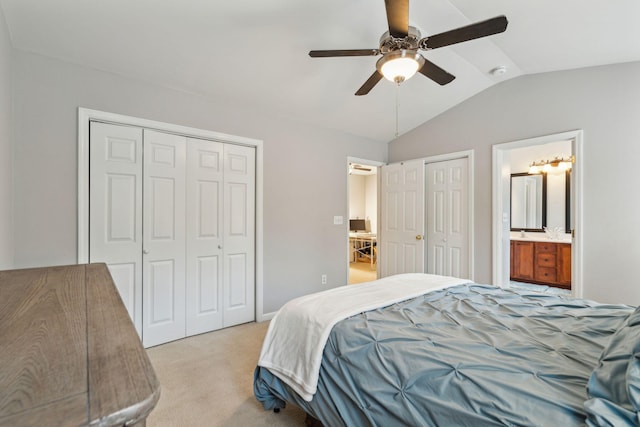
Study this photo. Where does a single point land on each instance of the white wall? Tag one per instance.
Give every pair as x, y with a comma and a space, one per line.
6, 161
300, 241
363, 195
357, 197
371, 201
604, 102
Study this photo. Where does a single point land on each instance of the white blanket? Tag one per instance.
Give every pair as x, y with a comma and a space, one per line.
293, 347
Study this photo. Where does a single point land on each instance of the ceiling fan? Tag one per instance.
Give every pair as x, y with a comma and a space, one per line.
399, 47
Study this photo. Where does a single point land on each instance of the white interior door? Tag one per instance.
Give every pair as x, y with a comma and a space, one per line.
204, 235
447, 218
115, 209
402, 221
164, 237
239, 235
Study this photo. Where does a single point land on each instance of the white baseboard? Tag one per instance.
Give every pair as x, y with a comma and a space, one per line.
266, 316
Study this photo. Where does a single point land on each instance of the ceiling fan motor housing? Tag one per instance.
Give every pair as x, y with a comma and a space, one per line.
388, 43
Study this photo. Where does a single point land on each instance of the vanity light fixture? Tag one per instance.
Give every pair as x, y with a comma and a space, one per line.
546, 166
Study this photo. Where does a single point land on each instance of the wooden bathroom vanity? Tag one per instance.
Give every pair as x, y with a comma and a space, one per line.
541, 262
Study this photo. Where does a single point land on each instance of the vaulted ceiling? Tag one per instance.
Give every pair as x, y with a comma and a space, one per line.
254, 53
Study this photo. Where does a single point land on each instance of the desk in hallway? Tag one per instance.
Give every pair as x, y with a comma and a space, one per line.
362, 245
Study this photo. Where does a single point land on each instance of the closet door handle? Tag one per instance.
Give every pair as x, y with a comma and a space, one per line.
219, 246
145, 252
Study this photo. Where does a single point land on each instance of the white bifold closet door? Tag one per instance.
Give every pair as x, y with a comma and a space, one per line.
164, 238
239, 231
204, 236
174, 219
115, 209
447, 218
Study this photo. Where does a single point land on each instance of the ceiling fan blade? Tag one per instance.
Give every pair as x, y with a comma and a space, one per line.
370, 83
470, 32
343, 52
398, 17
435, 73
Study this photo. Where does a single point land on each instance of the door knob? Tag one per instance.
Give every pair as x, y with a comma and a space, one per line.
419, 237
444, 240
146, 252
219, 246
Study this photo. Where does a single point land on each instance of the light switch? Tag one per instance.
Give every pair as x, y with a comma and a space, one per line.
337, 220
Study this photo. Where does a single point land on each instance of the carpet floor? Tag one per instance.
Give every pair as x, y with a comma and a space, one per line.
360, 272
207, 380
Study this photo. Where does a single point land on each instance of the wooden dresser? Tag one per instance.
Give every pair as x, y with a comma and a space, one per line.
69, 353
547, 263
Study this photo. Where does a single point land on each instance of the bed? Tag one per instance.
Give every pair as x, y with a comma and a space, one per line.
425, 350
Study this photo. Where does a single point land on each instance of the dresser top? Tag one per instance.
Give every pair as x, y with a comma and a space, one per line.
69, 353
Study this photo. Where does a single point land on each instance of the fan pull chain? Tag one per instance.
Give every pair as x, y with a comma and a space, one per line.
397, 106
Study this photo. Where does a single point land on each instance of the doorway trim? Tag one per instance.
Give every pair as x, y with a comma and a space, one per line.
377, 164
500, 217
86, 115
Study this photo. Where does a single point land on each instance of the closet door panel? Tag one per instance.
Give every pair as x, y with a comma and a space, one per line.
237, 268
207, 288
164, 238
239, 235
115, 209
162, 287
204, 239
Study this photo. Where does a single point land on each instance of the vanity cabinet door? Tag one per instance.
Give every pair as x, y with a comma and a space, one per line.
564, 264
522, 260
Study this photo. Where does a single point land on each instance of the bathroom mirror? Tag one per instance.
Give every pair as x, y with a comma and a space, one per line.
559, 200
528, 202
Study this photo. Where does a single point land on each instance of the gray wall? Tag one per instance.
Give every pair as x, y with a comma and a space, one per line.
305, 170
6, 204
604, 102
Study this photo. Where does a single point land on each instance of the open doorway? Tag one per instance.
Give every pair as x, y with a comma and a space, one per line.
363, 220
536, 213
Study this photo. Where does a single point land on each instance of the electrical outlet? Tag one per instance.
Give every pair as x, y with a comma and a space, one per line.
324, 279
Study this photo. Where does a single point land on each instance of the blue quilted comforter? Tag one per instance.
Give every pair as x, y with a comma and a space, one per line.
469, 355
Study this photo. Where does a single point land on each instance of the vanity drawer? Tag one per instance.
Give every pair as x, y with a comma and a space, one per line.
546, 260
545, 274
547, 248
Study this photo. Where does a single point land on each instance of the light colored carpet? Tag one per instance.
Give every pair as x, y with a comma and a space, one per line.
207, 380
360, 272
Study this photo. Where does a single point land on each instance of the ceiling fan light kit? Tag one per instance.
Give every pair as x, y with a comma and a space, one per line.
399, 47
400, 65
